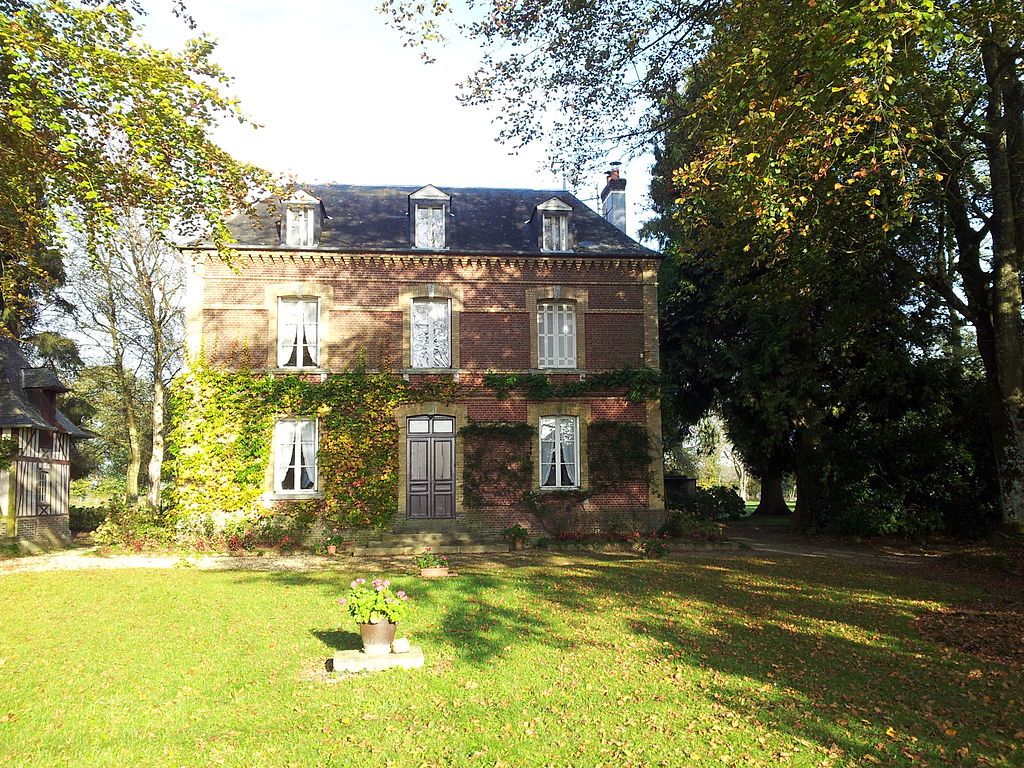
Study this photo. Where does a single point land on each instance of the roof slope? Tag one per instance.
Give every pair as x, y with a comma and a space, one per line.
482, 220
16, 408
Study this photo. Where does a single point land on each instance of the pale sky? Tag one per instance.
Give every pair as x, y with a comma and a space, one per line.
341, 100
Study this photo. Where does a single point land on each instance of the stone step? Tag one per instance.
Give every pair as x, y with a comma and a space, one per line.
419, 540
461, 548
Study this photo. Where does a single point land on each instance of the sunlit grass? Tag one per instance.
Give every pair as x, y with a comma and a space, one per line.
600, 660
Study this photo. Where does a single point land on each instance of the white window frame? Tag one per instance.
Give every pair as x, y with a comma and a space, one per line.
556, 334
300, 229
289, 456
554, 232
553, 459
432, 229
421, 349
296, 340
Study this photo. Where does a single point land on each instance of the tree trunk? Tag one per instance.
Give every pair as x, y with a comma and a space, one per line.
810, 486
772, 502
156, 459
131, 489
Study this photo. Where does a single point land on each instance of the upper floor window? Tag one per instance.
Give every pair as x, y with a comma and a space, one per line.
301, 220
431, 337
554, 225
556, 334
430, 226
298, 333
428, 209
559, 452
295, 447
556, 232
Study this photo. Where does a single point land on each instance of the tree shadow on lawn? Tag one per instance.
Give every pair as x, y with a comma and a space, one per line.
819, 651
470, 623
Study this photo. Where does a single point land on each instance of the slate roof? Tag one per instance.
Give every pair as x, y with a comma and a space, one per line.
16, 409
481, 221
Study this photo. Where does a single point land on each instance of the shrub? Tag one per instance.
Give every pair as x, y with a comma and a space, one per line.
86, 519
684, 524
133, 526
719, 502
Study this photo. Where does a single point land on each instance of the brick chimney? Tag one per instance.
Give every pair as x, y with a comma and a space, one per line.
613, 198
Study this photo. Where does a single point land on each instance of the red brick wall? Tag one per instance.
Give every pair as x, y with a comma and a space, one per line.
495, 326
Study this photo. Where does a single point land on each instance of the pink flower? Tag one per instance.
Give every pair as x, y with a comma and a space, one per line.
386, 582
360, 580
401, 594
354, 583
342, 601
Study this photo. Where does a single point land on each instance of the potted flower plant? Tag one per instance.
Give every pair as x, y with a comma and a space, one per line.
516, 535
377, 610
333, 542
432, 565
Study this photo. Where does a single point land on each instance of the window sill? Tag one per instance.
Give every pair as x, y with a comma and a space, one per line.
321, 371
293, 495
431, 371
562, 489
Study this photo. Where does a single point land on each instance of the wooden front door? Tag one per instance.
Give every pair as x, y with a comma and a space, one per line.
431, 463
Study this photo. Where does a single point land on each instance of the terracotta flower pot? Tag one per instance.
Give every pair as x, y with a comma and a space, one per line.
332, 549
434, 572
377, 638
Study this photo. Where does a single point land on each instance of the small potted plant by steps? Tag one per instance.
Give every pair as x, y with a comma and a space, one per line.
333, 542
432, 565
516, 536
377, 610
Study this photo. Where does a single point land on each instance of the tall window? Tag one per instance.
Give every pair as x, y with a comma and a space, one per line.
300, 228
556, 334
555, 236
295, 445
559, 452
298, 333
430, 226
431, 337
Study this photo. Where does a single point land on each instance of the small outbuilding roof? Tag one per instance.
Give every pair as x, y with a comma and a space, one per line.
480, 221
16, 406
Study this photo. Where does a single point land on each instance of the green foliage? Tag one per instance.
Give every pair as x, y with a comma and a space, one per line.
717, 503
219, 448
97, 122
685, 523
375, 601
617, 452
515, 533
510, 477
86, 519
636, 384
134, 527
8, 450
429, 559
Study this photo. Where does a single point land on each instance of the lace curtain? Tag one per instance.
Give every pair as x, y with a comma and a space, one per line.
297, 333
558, 454
431, 334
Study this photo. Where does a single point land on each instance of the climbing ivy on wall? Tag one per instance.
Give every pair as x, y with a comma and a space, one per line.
497, 464
220, 446
636, 384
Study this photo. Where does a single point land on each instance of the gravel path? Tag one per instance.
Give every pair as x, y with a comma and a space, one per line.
757, 539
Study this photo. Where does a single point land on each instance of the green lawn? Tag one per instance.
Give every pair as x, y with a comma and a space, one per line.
580, 660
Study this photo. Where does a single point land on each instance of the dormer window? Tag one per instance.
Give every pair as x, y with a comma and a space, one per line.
302, 214
554, 225
429, 211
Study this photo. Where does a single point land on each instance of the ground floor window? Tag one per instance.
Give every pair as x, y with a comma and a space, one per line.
295, 446
559, 452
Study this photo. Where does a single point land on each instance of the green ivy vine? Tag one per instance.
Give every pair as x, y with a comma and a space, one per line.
636, 384
219, 448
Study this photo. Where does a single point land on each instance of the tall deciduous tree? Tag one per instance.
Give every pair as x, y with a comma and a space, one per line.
95, 122
128, 298
812, 114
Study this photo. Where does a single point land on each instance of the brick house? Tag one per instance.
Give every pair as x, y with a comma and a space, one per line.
35, 479
466, 285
